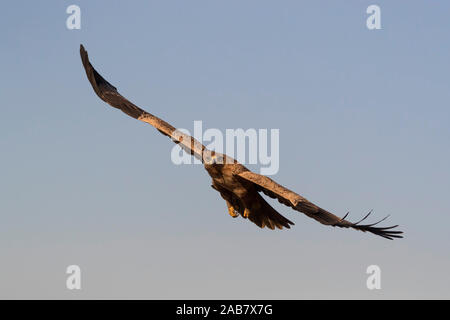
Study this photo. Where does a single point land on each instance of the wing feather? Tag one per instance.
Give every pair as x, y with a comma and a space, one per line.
108, 93
301, 204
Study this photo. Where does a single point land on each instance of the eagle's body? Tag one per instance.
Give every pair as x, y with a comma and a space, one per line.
238, 186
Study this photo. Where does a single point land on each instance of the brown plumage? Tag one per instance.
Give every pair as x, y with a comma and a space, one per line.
237, 185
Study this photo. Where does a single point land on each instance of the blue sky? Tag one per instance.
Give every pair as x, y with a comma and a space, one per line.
363, 119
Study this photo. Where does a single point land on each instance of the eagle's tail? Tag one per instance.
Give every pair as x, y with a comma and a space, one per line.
264, 215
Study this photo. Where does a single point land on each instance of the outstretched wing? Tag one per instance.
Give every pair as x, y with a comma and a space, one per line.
109, 94
297, 202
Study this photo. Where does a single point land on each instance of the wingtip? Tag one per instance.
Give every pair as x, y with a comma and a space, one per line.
83, 52
84, 57
385, 232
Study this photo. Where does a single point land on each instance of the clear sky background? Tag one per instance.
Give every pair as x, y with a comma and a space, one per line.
364, 124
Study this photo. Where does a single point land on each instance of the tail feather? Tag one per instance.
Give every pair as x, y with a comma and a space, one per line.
266, 216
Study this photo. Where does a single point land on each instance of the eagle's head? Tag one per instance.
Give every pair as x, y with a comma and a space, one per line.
213, 158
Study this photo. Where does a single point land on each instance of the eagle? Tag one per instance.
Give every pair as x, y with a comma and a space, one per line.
238, 186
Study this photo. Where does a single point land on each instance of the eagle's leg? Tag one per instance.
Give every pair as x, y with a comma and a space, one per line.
231, 211
250, 205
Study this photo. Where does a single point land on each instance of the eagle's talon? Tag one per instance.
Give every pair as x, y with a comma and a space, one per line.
246, 213
233, 212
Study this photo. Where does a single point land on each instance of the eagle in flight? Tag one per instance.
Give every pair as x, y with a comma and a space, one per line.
237, 185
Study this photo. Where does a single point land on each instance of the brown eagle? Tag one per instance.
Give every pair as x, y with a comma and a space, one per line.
237, 185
